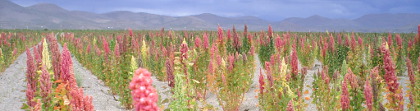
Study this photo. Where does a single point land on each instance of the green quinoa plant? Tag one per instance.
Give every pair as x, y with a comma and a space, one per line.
326, 92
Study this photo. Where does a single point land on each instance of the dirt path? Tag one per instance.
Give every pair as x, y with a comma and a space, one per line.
250, 101
307, 85
404, 84
13, 85
164, 92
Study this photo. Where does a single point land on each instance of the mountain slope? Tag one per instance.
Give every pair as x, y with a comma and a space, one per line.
51, 16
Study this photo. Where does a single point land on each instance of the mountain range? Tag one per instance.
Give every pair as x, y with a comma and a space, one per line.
50, 16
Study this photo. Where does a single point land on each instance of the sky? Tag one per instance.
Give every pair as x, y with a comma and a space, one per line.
271, 10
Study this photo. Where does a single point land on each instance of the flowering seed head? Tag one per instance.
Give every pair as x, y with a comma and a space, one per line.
390, 77
220, 33
30, 70
368, 94
45, 55
261, 81
117, 50
294, 61
46, 85
197, 42
144, 94
205, 41
290, 106
399, 40
345, 100
270, 31
67, 67
184, 49
105, 45
130, 32
410, 71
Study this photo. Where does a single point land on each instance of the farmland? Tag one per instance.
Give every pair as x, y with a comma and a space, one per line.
227, 69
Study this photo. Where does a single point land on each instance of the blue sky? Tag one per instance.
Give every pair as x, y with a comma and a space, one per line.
272, 10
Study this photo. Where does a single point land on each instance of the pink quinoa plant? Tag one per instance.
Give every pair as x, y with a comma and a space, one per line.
368, 94
130, 32
410, 71
97, 51
45, 84
205, 41
390, 42
261, 81
324, 75
418, 29
332, 43
270, 31
290, 106
37, 55
220, 33
252, 50
197, 42
210, 68
105, 45
360, 41
353, 41
30, 94
340, 40
170, 72
67, 67
14, 53
324, 48
269, 74
294, 62
350, 77
144, 94
117, 51
229, 35
30, 70
347, 41
399, 40
345, 100
88, 48
231, 60
184, 49
390, 77
37, 106
411, 77
79, 102
391, 80
236, 42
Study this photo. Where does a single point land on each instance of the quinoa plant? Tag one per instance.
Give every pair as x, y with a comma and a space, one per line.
279, 88
306, 52
44, 94
266, 49
377, 88
326, 93
182, 100
144, 94
199, 71
394, 97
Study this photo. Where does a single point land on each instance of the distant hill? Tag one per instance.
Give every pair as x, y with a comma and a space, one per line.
50, 16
